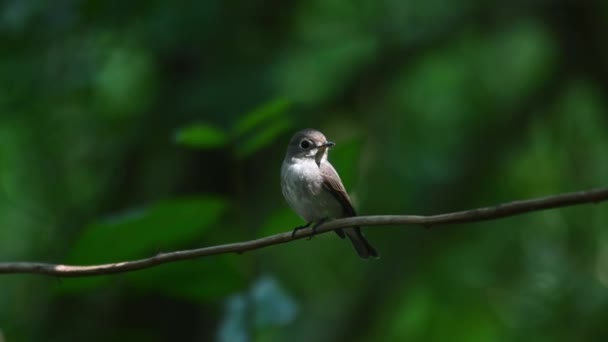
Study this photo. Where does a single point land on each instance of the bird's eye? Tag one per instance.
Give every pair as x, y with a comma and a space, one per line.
305, 144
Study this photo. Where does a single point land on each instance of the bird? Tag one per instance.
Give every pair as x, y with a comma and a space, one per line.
313, 189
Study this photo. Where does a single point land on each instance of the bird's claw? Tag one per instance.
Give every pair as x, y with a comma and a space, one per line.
293, 233
314, 228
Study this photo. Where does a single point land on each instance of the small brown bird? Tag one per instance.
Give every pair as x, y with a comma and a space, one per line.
313, 189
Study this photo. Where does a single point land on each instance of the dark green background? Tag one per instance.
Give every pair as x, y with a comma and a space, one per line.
133, 127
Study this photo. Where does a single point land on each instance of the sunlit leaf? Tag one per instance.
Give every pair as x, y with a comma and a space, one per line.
313, 76
411, 316
126, 82
269, 111
344, 157
201, 136
138, 233
190, 279
160, 226
281, 221
262, 137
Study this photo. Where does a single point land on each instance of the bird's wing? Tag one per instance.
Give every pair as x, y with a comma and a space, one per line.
333, 184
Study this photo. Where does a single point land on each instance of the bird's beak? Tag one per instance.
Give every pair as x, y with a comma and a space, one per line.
327, 144
322, 148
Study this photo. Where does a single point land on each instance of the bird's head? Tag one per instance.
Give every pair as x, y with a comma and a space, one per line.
308, 144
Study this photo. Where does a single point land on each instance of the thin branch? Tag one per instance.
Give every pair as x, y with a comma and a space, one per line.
474, 215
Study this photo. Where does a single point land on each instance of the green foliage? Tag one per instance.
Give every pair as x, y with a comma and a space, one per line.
271, 111
264, 137
132, 129
261, 127
125, 82
202, 136
190, 280
313, 76
163, 225
252, 132
345, 157
277, 222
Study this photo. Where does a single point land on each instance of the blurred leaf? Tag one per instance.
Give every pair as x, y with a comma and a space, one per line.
344, 157
477, 323
234, 325
411, 315
164, 224
270, 111
521, 73
261, 127
536, 170
201, 136
273, 306
281, 221
126, 82
262, 137
191, 279
161, 227
313, 75
267, 301
81, 285
583, 135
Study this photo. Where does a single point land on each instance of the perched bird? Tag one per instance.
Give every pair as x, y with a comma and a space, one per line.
313, 189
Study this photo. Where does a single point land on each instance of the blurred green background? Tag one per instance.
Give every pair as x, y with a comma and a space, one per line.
129, 128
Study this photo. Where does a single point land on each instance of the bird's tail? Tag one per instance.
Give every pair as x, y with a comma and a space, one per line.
362, 246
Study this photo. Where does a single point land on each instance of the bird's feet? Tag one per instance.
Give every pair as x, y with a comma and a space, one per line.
314, 227
293, 233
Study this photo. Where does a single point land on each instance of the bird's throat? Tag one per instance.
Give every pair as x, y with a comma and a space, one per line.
319, 156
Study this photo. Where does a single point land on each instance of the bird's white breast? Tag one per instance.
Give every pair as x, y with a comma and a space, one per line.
302, 186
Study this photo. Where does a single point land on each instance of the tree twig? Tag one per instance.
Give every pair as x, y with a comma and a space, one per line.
474, 215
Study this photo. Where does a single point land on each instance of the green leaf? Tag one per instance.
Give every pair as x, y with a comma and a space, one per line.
344, 157
269, 111
191, 279
201, 136
281, 221
161, 227
411, 316
126, 82
81, 285
262, 138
